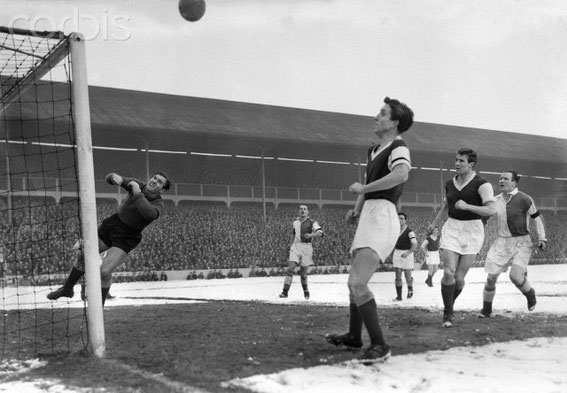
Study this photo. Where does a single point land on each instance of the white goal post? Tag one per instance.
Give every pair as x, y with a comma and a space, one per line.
81, 109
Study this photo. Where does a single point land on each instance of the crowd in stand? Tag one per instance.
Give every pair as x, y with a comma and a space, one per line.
211, 237
199, 236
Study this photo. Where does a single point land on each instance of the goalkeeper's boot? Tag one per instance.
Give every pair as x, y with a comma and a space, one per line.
61, 292
283, 294
346, 339
306, 294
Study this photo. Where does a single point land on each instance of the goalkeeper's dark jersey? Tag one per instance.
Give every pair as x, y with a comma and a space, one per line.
138, 211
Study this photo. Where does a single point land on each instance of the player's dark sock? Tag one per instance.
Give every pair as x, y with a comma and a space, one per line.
447, 293
369, 315
304, 283
104, 294
456, 293
355, 322
73, 278
287, 283
399, 292
410, 292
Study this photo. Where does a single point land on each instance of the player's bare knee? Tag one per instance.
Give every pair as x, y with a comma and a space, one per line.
105, 274
363, 298
518, 275
351, 283
358, 289
517, 278
490, 282
449, 275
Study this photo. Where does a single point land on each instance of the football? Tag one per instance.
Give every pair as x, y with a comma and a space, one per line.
192, 10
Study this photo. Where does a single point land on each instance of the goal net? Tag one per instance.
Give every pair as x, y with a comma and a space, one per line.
46, 192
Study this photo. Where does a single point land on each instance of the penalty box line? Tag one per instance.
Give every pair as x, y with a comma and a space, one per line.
170, 384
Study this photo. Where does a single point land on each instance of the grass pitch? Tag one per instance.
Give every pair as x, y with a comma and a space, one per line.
196, 346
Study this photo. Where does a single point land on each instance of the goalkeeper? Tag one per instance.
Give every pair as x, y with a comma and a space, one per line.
122, 232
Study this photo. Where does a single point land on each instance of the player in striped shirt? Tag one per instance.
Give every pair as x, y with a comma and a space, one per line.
301, 250
513, 246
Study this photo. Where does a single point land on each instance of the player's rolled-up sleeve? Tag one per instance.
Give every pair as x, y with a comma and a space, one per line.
317, 228
399, 156
486, 193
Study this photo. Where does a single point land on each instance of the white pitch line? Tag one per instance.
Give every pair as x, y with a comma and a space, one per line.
170, 384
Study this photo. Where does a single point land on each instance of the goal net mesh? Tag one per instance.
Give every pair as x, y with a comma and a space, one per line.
39, 199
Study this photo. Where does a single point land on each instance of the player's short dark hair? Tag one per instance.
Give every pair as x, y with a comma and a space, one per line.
401, 113
472, 155
403, 214
167, 184
515, 176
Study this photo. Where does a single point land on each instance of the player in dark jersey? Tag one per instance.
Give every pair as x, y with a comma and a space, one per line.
378, 226
430, 248
513, 246
469, 197
403, 258
301, 249
122, 232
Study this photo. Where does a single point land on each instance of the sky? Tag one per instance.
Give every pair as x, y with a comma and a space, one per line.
534, 365
489, 64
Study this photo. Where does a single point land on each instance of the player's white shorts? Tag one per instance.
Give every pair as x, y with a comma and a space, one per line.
301, 254
403, 263
465, 237
378, 228
508, 251
432, 258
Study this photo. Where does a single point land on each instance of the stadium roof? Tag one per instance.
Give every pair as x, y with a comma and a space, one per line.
171, 122
203, 116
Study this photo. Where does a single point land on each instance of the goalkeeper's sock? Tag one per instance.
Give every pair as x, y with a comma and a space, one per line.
104, 294
74, 277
